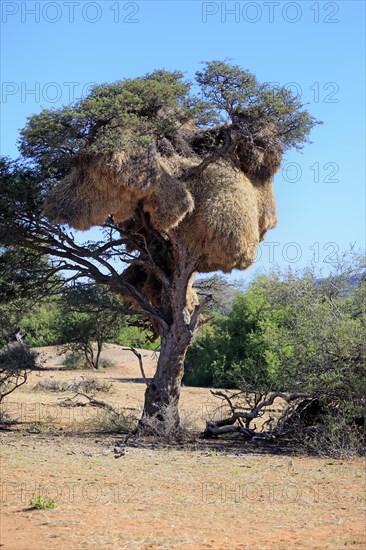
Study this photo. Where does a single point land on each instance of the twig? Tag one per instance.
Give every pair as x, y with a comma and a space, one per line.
141, 364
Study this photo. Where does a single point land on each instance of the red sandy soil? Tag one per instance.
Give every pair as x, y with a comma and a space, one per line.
201, 495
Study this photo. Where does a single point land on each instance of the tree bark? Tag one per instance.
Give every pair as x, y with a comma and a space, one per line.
98, 354
164, 390
176, 334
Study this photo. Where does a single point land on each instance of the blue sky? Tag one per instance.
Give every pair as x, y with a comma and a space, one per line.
52, 51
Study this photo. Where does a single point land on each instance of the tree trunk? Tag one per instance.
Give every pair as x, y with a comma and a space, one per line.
176, 332
164, 389
98, 354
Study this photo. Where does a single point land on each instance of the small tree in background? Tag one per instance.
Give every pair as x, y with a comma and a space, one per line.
16, 362
88, 320
25, 279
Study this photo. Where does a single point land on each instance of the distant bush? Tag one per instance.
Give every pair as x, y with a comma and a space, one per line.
41, 324
295, 332
80, 384
75, 360
16, 362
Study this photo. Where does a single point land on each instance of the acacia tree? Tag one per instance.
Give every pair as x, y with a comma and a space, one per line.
88, 320
179, 182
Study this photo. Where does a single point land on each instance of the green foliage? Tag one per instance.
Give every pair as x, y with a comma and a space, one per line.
114, 117
41, 502
133, 112
21, 272
22, 191
41, 324
77, 315
291, 332
237, 94
39, 321
325, 325
296, 333
136, 337
206, 354
75, 360
10, 319
243, 347
26, 281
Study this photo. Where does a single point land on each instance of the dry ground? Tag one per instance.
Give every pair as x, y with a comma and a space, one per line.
198, 496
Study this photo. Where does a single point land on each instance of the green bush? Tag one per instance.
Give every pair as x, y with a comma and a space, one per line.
41, 324
137, 338
294, 332
40, 502
242, 347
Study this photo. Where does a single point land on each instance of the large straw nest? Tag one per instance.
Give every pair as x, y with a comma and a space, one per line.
221, 213
100, 186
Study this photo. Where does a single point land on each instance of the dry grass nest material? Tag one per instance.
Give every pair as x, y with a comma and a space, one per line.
221, 213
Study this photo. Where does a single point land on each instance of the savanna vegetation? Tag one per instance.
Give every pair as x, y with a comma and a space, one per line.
293, 333
178, 183
179, 179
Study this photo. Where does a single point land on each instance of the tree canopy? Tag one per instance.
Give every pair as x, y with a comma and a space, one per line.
131, 112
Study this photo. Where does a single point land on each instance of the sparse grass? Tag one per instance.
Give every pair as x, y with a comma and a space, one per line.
80, 384
76, 361
167, 430
44, 427
40, 502
114, 422
4, 416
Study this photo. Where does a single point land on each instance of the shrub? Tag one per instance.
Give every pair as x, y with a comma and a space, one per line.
75, 360
295, 332
108, 421
167, 429
16, 361
40, 502
75, 385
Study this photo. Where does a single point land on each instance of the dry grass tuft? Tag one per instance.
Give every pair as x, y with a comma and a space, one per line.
80, 384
